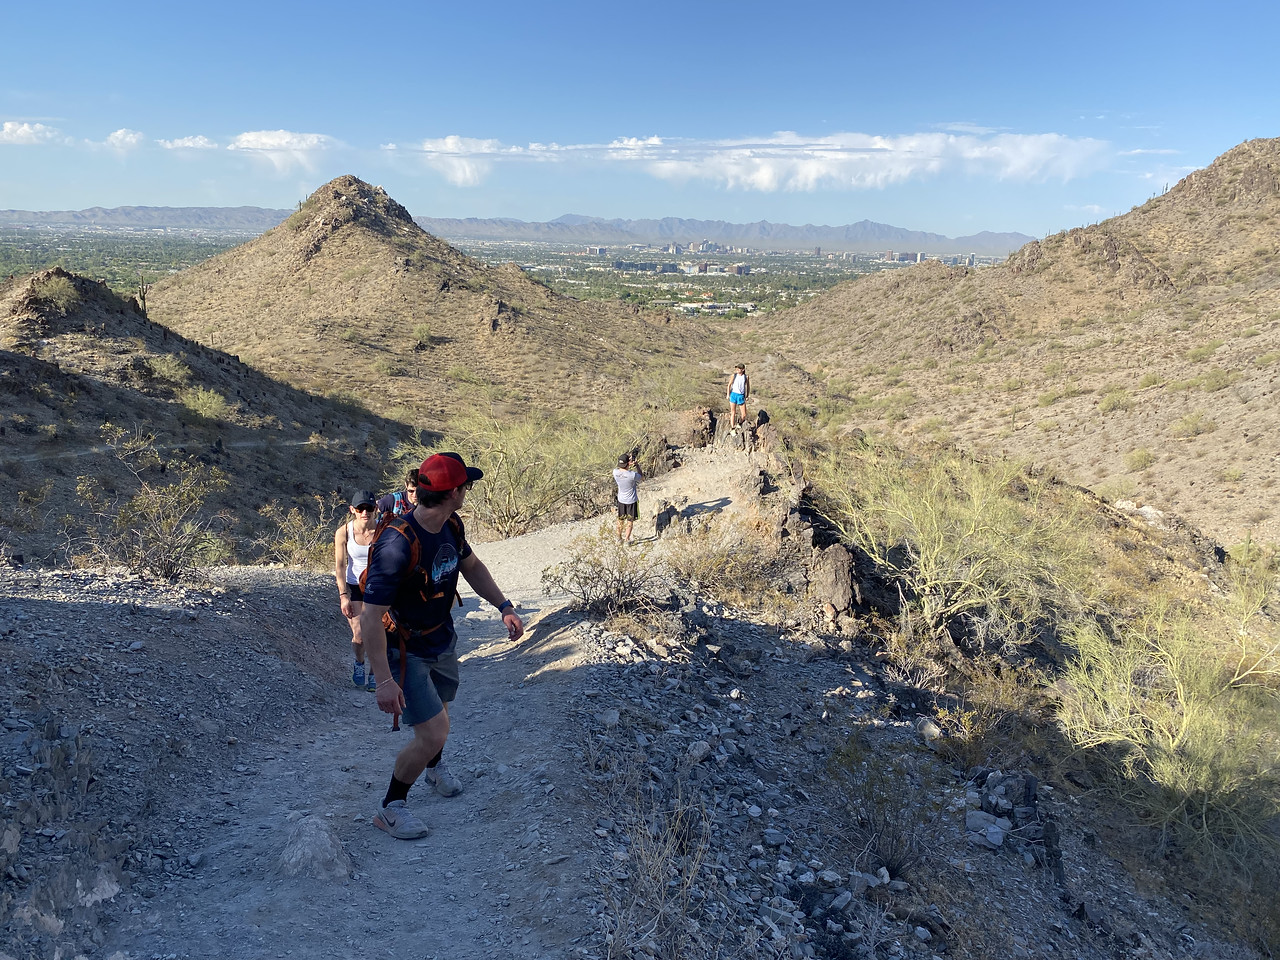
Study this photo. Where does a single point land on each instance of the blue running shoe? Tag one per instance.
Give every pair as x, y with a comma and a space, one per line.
357, 674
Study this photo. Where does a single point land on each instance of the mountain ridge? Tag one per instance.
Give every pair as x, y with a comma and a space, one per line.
1137, 354
864, 236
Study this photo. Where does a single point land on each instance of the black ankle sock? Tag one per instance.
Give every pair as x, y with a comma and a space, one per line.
436, 759
399, 790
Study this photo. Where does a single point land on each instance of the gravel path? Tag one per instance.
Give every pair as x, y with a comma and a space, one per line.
507, 869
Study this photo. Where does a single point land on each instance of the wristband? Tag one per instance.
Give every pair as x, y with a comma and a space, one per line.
505, 604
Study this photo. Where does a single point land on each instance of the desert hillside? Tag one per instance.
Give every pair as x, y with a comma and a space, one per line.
74, 357
1138, 355
349, 296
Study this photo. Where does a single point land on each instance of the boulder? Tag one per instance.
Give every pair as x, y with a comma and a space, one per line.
831, 579
314, 850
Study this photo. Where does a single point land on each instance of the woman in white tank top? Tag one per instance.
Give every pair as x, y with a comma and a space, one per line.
351, 543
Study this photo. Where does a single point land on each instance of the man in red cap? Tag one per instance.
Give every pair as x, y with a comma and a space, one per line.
413, 576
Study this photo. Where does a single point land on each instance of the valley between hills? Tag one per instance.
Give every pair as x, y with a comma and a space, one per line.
1113, 383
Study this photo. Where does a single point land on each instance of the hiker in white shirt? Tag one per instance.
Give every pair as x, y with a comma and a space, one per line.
627, 475
737, 393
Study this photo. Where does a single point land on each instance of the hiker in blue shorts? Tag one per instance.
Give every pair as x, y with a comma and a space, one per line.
413, 577
737, 393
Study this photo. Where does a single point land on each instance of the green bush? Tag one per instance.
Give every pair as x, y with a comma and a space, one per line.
606, 578
1204, 351
206, 403
1115, 398
1193, 425
169, 368
301, 536
59, 291
161, 529
1191, 743
977, 549
1138, 460
537, 471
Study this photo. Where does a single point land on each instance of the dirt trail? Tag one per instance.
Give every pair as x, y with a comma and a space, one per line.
506, 870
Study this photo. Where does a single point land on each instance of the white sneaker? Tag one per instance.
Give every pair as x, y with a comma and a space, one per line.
399, 821
446, 784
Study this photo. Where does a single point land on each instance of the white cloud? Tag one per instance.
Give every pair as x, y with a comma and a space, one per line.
463, 161
792, 162
789, 161
966, 127
124, 140
28, 134
188, 143
1142, 153
284, 149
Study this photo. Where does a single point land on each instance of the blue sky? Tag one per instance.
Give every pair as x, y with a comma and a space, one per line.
946, 117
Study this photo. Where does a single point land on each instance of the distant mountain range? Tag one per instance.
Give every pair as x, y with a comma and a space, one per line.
251, 220
865, 236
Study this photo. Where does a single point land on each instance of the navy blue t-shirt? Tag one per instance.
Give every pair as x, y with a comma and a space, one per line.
422, 599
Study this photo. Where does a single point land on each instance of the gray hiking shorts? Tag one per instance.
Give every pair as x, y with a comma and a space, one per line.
428, 684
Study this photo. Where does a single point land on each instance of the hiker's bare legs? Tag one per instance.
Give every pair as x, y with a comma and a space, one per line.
625, 534
621, 523
353, 618
428, 740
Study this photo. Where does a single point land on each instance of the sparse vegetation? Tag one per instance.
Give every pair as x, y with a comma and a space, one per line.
206, 403
161, 528
59, 291
606, 578
301, 537
1138, 460
1193, 425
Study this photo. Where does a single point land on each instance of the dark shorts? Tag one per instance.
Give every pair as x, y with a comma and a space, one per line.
430, 684
628, 511
355, 591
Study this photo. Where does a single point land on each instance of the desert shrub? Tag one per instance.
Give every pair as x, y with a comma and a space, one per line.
1193, 425
59, 291
536, 470
979, 550
1115, 398
730, 562
162, 528
301, 536
169, 368
389, 368
1138, 460
1150, 380
1204, 351
1190, 746
206, 403
606, 578
887, 825
1216, 379
422, 335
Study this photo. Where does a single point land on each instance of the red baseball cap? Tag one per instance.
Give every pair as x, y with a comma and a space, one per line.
444, 471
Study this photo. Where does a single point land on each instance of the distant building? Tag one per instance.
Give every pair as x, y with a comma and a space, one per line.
741, 269
817, 251
597, 251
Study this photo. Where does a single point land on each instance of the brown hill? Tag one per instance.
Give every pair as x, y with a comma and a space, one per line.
350, 296
74, 355
1138, 355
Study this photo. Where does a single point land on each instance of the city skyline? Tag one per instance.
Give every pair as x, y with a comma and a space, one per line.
1008, 118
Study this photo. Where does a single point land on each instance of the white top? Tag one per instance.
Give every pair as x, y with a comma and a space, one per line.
627, 481
357, 555
739, 383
